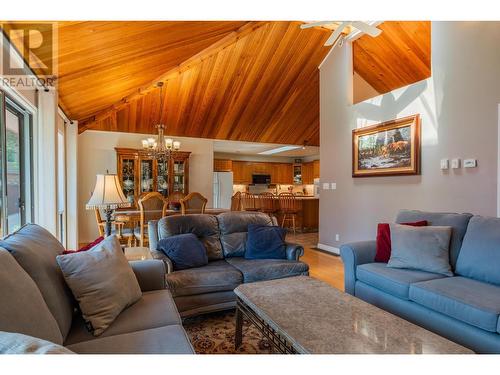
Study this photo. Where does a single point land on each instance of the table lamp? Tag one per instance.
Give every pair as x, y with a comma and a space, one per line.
107, 195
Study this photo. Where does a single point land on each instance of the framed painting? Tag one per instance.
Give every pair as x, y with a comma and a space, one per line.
390, 148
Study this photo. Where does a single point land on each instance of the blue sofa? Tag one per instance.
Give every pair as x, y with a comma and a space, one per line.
464, 308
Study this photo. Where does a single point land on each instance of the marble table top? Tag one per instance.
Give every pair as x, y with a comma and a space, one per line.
320, 319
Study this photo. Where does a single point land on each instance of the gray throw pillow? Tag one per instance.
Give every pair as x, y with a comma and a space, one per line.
17, 343
102, 282
421, 248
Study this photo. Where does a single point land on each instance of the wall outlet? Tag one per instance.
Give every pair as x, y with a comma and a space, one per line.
470, 163
455, 163
337, 237
326, 186
334, 186
445, 164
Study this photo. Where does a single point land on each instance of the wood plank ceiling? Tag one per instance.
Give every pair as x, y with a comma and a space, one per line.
401, 55
247, 81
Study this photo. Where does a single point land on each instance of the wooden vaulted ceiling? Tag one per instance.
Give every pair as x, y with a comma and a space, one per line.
247, 81
401, 55
234, 80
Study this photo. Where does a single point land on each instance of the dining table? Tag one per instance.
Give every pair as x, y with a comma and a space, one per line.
132, 217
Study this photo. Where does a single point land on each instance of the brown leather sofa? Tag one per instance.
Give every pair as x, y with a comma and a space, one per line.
210, 288
36, 301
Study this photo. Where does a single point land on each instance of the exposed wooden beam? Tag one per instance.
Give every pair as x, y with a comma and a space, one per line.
231, 38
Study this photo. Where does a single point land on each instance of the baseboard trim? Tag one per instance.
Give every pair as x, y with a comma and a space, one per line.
328, 248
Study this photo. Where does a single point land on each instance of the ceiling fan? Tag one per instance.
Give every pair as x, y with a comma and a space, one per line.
337, 36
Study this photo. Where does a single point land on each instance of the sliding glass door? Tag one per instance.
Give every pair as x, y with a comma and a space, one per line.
16, 166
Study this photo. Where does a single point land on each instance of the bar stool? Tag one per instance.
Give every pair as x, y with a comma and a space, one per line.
249, 202
288, 209
267, 204
236, 201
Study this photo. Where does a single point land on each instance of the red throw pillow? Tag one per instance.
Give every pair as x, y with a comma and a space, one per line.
384, 240
86, 247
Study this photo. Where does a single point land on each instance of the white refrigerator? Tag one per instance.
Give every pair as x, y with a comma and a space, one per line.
223, 189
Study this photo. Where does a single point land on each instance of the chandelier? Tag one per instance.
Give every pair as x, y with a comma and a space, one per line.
160, 148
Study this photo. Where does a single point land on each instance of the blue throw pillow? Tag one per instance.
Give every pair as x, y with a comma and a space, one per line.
265, 242
184, 250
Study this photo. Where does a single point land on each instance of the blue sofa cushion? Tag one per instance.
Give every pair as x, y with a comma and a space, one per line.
184, 250
467, 300
480, 254
457, 221
498, 325
265, 242
394, 281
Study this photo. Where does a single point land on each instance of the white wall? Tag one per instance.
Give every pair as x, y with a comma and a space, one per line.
362, 90
96, 154
459, 109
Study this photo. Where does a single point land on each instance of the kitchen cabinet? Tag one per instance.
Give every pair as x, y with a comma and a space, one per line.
308, 173
139, 173
242, 172
281, 173
223, 165
316, 169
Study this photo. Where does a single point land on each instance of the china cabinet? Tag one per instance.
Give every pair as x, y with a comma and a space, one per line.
140, 174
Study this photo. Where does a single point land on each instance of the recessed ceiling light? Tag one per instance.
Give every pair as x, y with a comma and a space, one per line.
278, 150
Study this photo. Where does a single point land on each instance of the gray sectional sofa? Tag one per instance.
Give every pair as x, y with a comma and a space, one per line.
36, 301
210, 288
464, 308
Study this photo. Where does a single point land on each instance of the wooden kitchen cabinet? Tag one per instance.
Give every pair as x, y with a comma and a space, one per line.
308, 173
223, 165
316, 169
284, 173
242, 172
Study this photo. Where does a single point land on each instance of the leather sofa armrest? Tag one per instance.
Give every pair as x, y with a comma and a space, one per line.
153, 234
160, 255
294, 251
354, 254
150, 274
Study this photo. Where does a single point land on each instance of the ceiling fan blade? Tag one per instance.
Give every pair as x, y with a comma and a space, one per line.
335, 35
315, 24
366, 28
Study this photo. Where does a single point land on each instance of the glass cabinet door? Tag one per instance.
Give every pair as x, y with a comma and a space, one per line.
179, 176
128, 178
146, 176
162, 173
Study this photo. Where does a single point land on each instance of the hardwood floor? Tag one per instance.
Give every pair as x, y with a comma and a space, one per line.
323, 266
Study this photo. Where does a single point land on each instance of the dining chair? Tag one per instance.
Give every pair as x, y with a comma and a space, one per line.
268, 203
249, 202
288, 209
193, 203
152, 206
236, 201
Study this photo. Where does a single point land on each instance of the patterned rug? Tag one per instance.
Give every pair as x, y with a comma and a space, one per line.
214, 334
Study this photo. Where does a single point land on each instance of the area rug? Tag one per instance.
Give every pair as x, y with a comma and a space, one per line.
214, 334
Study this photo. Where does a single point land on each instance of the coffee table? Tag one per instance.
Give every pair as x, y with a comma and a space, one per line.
304, 315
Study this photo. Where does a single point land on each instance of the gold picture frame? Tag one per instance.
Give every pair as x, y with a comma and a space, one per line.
391, 148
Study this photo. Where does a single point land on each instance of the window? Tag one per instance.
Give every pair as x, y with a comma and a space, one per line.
16, 199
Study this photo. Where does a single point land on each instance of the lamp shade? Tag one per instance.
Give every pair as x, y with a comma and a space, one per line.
107, 193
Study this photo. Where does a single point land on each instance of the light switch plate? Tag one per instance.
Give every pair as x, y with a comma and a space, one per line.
326, 186
334, 185
455, 163
470, 163
445, 164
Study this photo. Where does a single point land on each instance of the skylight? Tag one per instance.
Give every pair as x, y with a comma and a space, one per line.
278, 150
